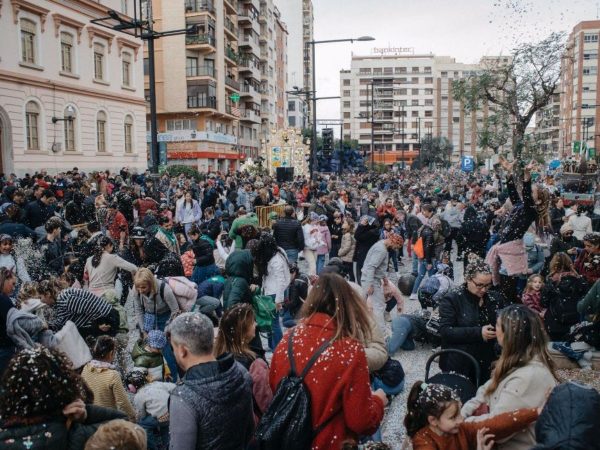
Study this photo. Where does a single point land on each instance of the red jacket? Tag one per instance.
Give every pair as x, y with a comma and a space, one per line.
338, 382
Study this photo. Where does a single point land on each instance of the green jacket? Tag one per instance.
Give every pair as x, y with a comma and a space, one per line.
239, 269
52, 434
143, 358
248, 219
590, 304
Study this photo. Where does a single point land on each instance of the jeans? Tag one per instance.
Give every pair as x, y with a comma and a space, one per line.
422, 272
415, 265
288, 320
202, 273
206, 304
401, 335
157, 433
167, 350
389, 390
292, 255
310, 256
320, 263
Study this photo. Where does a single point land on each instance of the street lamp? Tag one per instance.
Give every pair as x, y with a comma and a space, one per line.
69, 115
313, 162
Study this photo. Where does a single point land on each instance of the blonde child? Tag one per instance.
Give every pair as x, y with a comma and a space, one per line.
434, 420
532, 294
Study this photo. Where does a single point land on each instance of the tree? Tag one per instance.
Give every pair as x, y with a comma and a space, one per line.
435, 150
514, 89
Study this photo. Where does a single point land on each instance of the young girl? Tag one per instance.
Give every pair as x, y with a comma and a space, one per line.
346, 251
236, 330
532, 294
434, 421
325, 245
12, 262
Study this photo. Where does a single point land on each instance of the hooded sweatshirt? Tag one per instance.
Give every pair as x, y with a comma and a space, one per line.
239, 268
212, 407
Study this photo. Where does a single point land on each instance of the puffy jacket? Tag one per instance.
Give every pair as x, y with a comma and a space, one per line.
348, 245
570, 420
53, 434
429, 243
239, 269
560, 297
288, 234
203, 252
212, 407
143, 358
461, 320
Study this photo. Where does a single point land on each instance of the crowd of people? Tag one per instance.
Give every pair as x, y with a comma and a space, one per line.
232, 311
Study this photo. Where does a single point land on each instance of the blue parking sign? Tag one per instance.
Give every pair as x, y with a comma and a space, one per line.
467, 164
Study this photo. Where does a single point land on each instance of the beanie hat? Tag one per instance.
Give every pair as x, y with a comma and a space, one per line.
313, 216
157, 339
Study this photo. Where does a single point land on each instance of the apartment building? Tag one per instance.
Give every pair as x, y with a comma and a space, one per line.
71, 92
580, 99
299, 18
390, 102
547, 127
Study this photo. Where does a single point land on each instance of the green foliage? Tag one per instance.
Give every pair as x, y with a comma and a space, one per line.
435, 151
188, 171
514, 89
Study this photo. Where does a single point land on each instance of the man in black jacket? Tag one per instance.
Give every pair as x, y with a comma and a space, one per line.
39, 211
288, 234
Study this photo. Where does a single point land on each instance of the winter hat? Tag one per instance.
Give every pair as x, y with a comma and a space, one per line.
566, 227
322, 218
313, 216
157, 339
138, 233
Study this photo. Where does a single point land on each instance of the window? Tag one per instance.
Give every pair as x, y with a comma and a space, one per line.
98, 61
415, 102
28, 30
185, 124
415, 80
590, 70
32, 118
101, 131
128, 134
415, 92
66, 52
346, 115
444, 74
428, 102
414, 113
346, 82
69, 130
347, 93
346, 104
126, 66
292, 121
146, 66
291, 105
590, 38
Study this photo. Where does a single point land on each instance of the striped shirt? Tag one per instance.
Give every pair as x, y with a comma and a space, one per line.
80, 307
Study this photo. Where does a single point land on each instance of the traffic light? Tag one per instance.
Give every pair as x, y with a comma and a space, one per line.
327, 141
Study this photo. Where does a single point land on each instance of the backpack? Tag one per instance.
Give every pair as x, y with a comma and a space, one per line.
446, 229
188, 261
287, 422
185, 291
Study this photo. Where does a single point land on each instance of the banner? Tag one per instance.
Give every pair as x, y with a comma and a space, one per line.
576, 147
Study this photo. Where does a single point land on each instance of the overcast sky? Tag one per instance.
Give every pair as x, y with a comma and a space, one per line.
463, 29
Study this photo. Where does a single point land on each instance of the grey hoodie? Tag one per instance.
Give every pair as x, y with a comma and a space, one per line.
26, 330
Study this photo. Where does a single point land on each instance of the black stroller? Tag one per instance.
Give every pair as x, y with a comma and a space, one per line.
460, 383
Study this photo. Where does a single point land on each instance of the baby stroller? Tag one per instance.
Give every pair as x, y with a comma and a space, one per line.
430, 292
460, 383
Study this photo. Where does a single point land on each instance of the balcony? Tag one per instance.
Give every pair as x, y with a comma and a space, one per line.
233, 84
199, 6
249, 41
249, 91
230, 6
263, 38
201, 102
201, 42
200, 71
231, 55
231, 29
249, 115
264, 113
246, 17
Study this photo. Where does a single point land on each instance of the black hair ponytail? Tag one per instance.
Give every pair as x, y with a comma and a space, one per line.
426, 400
101, 245
103, 346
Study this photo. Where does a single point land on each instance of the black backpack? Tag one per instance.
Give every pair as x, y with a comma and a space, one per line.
287, 422
446, 229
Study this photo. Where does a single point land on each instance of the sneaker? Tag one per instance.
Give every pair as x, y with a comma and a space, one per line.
413, 297
387, 316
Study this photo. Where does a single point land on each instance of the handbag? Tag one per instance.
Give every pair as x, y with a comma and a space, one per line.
72, 344
264, 311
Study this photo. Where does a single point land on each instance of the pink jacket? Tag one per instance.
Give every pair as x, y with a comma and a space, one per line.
324, 248
511, 255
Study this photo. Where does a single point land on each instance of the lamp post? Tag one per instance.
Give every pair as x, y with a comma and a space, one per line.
140, 27
313, 161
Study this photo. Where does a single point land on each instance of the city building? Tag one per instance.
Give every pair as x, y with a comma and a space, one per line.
580, 84
197, 83
547, 128
298, 16
71, 92
391, 100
